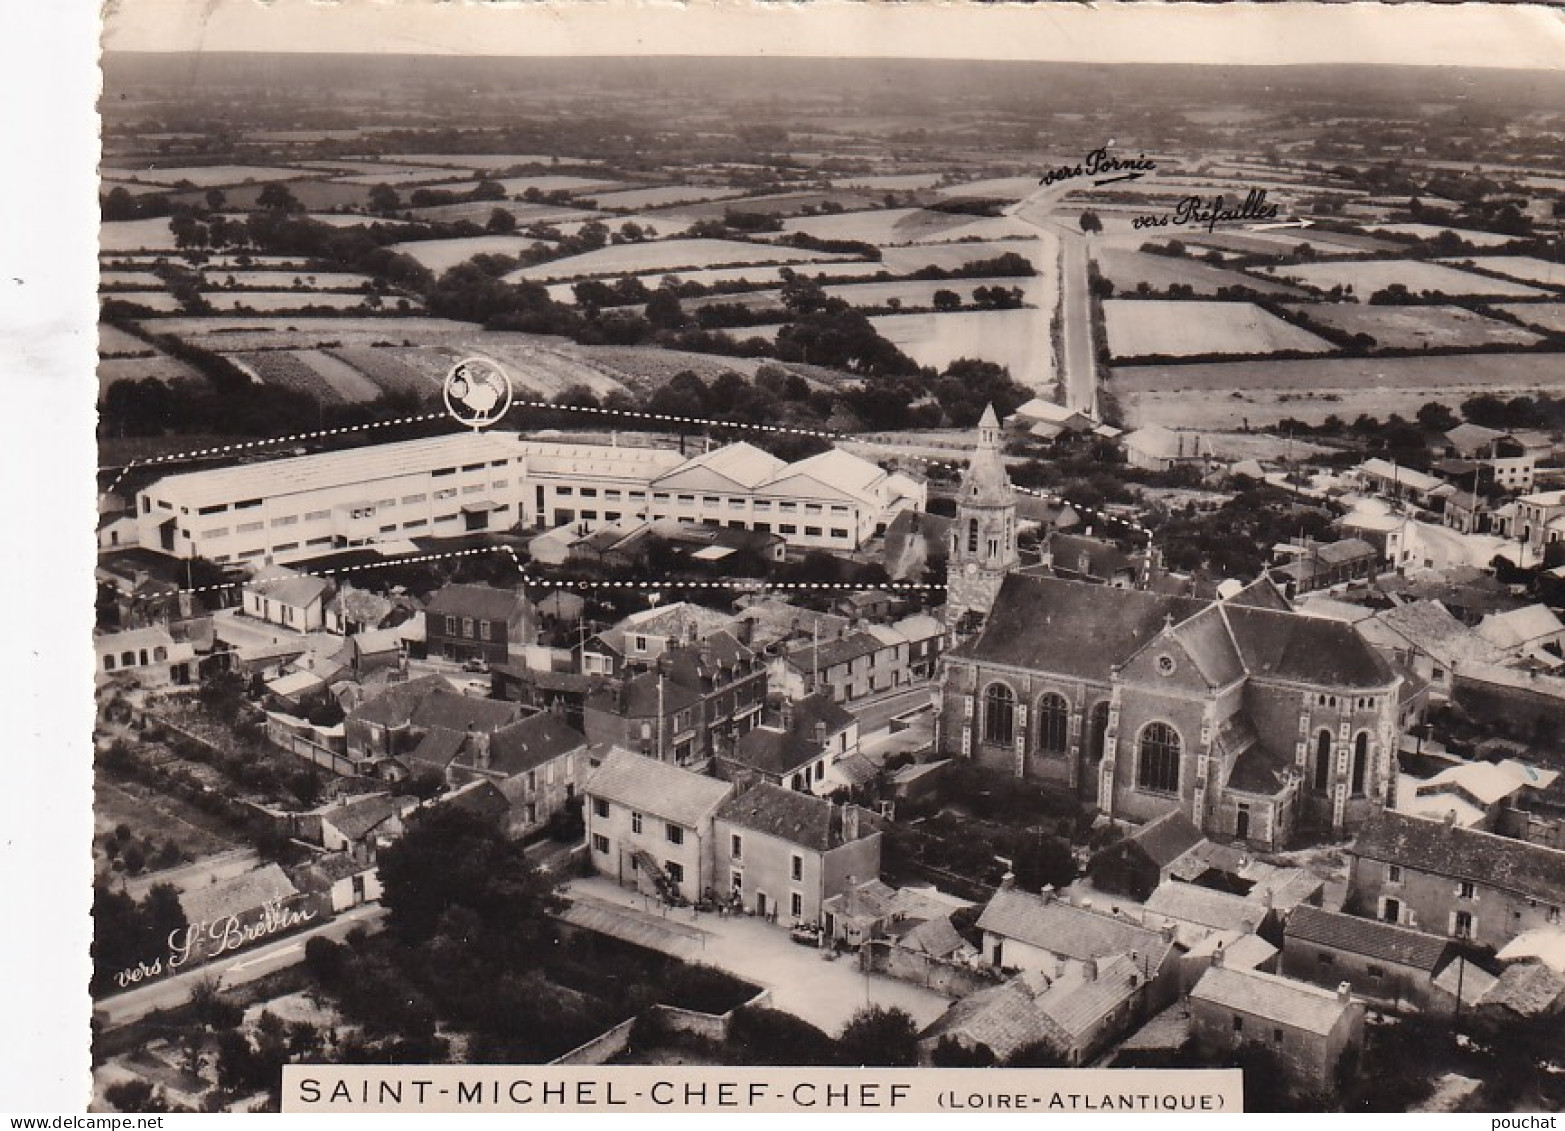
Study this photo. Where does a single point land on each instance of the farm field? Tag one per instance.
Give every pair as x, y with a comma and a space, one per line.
1544, 315
1523, 267
666, 256
950, 257
321, 195
272, 301
208, 176
576, 186
1016, 339
128, 279
1141, 327
281, 280
853, 268
1127, 269
904, 226
1346, 374
405, 178
160, 301
149, 363
383, 367
889, 182
254, 332
525, 214
1259, 407
1430, 231
442, 255
1004, 188
366, 166
114, 342
136, 235
284, 369
909, 292
1368, 276
346, 381
484, 160
662, 196
1419, 327
774, 204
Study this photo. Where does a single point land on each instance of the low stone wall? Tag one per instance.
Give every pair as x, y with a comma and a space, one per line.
713, 1026
953, 979
602, 1048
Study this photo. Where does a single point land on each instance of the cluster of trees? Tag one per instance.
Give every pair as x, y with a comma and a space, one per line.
1236, 539
129, 933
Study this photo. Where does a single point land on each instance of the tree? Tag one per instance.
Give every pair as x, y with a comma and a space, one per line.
136, 1095
879, 1036
1436, 417
384, 198
952, 1053
501, 222
450, 859
946, 300
278, 197
1090, 222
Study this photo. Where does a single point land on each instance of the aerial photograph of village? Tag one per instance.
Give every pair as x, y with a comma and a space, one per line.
830, 562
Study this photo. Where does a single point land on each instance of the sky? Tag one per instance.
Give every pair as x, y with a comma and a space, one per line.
1510, 36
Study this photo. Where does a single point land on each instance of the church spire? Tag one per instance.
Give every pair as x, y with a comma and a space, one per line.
985, 482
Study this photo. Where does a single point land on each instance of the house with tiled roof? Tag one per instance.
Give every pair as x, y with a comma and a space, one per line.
1043, 934
1196, 912
538, 764
359, 826
279, 595
649, 825
1424, 636
1383, 961
1307, 1029
151, 656
352, 610
1133, 867
784, 853
1462, 883
1523, 631
1525, 990
1240, 713
425, 719
242, 910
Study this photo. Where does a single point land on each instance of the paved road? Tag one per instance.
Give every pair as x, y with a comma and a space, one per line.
1079, 365
244, 966
824, 993
876, 714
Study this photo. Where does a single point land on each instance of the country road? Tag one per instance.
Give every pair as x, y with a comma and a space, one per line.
1079, 365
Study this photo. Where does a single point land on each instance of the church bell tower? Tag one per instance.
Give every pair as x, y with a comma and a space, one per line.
983, 537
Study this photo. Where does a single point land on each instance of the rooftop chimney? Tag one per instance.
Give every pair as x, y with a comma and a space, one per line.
850, 822
1089, 969
1450, 818
1059, 967
820, 732
1217, 954
785, 714
1008, 881
1344, 992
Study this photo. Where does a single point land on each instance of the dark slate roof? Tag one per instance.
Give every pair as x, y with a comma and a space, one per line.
1104, 559
357, 818
1003, 1017
1206, 640
829, 653
1167, 838
438, 748
774, 751
482, 602
1468, 854
1306, 649
1259, 594
819, 708
1295, 1004
659, 788
1528, 989
396, 704
547, 681
798, 818
532, 742
637, 697
1368, 937
483, 799
453, 711
1072, 627
236, 895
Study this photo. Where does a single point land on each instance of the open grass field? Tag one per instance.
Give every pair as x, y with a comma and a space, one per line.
1543, 315
667, 256
1430, 231
442, 255
1000, 188
1128, 269
409, 177
114, 342
1419, 327
575, 186
1371, 275
1140, 327
1016, 339
207, 176
1522, 267
479, 211
889, 182
485, 160
774, 204
130, 279
1259, 407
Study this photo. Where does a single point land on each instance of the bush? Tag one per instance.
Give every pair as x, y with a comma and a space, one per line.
761, 1036
704, 989
879, 1037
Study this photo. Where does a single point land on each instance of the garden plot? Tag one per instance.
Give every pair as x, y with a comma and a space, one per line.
1430, 231
955, 256
1147, 327
1128, 269
1366, 277
207, 176
346, 381
666, 256
136, 235
384, 368
284, 370
1523, 267
442, 255
1544, 315
1419, 327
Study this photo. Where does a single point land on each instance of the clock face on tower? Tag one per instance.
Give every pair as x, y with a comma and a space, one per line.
972, 568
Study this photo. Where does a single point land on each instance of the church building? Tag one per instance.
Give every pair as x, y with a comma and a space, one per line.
1249, 718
